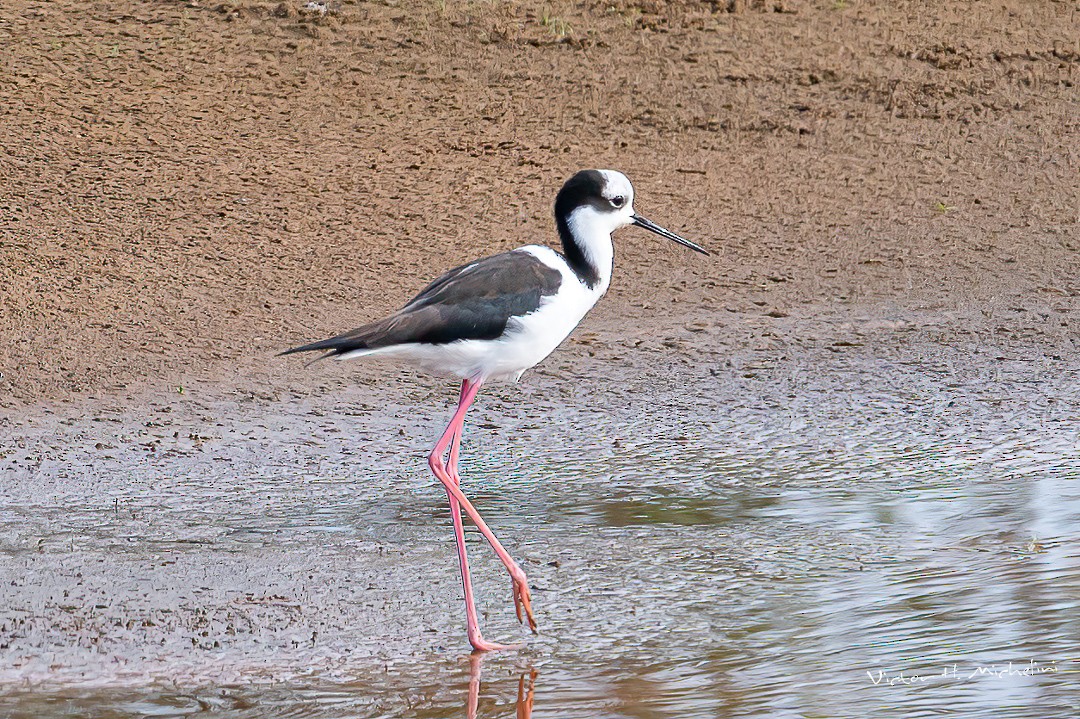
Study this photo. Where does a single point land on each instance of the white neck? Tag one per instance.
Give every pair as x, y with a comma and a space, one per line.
591, 232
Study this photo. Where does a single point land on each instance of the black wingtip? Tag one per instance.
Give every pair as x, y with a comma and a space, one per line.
292, 351
339, 345
330, 344
307, 348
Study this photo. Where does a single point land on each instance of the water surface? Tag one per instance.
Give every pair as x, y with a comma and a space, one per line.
820, 542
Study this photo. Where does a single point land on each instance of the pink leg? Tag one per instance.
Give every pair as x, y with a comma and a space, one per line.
475, 637
522, 601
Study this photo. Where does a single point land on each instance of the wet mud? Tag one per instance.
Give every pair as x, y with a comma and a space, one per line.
702, 540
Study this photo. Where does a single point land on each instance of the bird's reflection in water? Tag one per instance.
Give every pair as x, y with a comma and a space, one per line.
526, 687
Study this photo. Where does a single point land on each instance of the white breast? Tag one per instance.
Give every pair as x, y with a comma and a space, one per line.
531, 338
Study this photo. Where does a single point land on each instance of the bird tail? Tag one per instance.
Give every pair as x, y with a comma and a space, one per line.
335, 346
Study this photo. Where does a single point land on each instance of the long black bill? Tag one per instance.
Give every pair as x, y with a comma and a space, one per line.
653, 227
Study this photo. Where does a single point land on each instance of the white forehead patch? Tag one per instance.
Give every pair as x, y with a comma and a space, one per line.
616, 184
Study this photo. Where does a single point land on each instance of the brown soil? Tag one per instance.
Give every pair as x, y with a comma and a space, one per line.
187, 188
891, 192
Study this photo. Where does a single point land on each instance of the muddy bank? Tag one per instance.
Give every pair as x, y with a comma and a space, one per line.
214, 182
843, 447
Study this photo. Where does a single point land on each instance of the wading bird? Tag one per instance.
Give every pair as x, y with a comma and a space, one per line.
495, 318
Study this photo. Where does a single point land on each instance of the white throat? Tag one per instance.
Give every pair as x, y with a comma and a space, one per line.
591, 231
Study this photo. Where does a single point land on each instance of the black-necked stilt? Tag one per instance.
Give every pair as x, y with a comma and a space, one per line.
494, 319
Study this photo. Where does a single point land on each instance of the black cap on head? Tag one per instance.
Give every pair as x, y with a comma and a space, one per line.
584, 188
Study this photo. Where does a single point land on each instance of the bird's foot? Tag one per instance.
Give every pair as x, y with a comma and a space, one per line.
480, 644
522, 601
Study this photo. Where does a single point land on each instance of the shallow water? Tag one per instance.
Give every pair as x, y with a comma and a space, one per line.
886, 540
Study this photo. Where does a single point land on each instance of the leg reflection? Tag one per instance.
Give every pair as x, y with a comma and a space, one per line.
476, 666
526, 687
525, 695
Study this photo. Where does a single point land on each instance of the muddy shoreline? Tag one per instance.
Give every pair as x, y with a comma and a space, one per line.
844, 444
201, 542
212, 184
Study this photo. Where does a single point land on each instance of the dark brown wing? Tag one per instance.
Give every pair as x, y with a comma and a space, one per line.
471, 302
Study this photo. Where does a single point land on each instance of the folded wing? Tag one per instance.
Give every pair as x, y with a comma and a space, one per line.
471, 302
